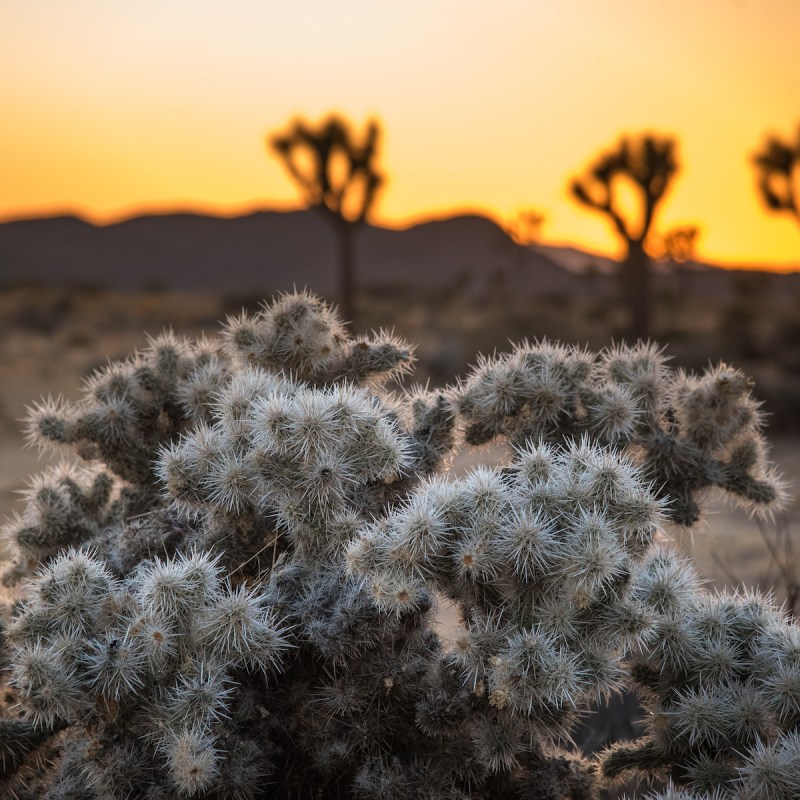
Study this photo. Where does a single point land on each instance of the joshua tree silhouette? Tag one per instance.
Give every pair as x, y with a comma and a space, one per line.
526, 227
649, 163
338, 175
778, 166
677, 245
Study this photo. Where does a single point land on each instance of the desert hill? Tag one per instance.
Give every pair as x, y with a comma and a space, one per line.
272, 250
266, 249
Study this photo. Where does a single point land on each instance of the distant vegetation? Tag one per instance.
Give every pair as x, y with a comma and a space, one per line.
677, 245
338, 174
526, 228
778, 167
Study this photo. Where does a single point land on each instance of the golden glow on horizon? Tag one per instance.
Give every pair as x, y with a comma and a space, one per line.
111, 109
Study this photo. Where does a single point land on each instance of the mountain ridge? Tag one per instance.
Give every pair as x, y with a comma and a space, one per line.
267, 249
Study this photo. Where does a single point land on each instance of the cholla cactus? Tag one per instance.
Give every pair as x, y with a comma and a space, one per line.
232, 597
539, 558
721, 682
65, 506
154, 658
688, 433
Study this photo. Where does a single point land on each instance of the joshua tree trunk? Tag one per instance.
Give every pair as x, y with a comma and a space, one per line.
635, 276
346, 233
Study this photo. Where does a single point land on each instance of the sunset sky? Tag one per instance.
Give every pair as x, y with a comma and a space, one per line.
110, 108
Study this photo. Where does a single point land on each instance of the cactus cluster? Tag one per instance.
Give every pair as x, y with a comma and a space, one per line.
233, 593
145, 668
688, 433
721, 685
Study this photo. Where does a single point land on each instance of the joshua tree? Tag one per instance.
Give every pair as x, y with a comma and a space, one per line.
778, 165
649, 163
677, 245
338, 175
526, 228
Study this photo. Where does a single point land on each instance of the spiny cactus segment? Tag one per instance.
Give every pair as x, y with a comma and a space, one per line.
689, 433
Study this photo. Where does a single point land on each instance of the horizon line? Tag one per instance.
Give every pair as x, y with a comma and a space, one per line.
195, 208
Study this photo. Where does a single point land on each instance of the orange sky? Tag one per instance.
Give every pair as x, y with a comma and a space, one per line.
109, 108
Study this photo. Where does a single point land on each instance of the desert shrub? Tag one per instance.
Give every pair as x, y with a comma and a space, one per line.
231, 594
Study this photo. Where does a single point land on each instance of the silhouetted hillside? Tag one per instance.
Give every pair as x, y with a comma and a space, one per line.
264, 250
272, 250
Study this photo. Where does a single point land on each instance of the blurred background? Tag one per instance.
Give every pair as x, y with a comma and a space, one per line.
465, 174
